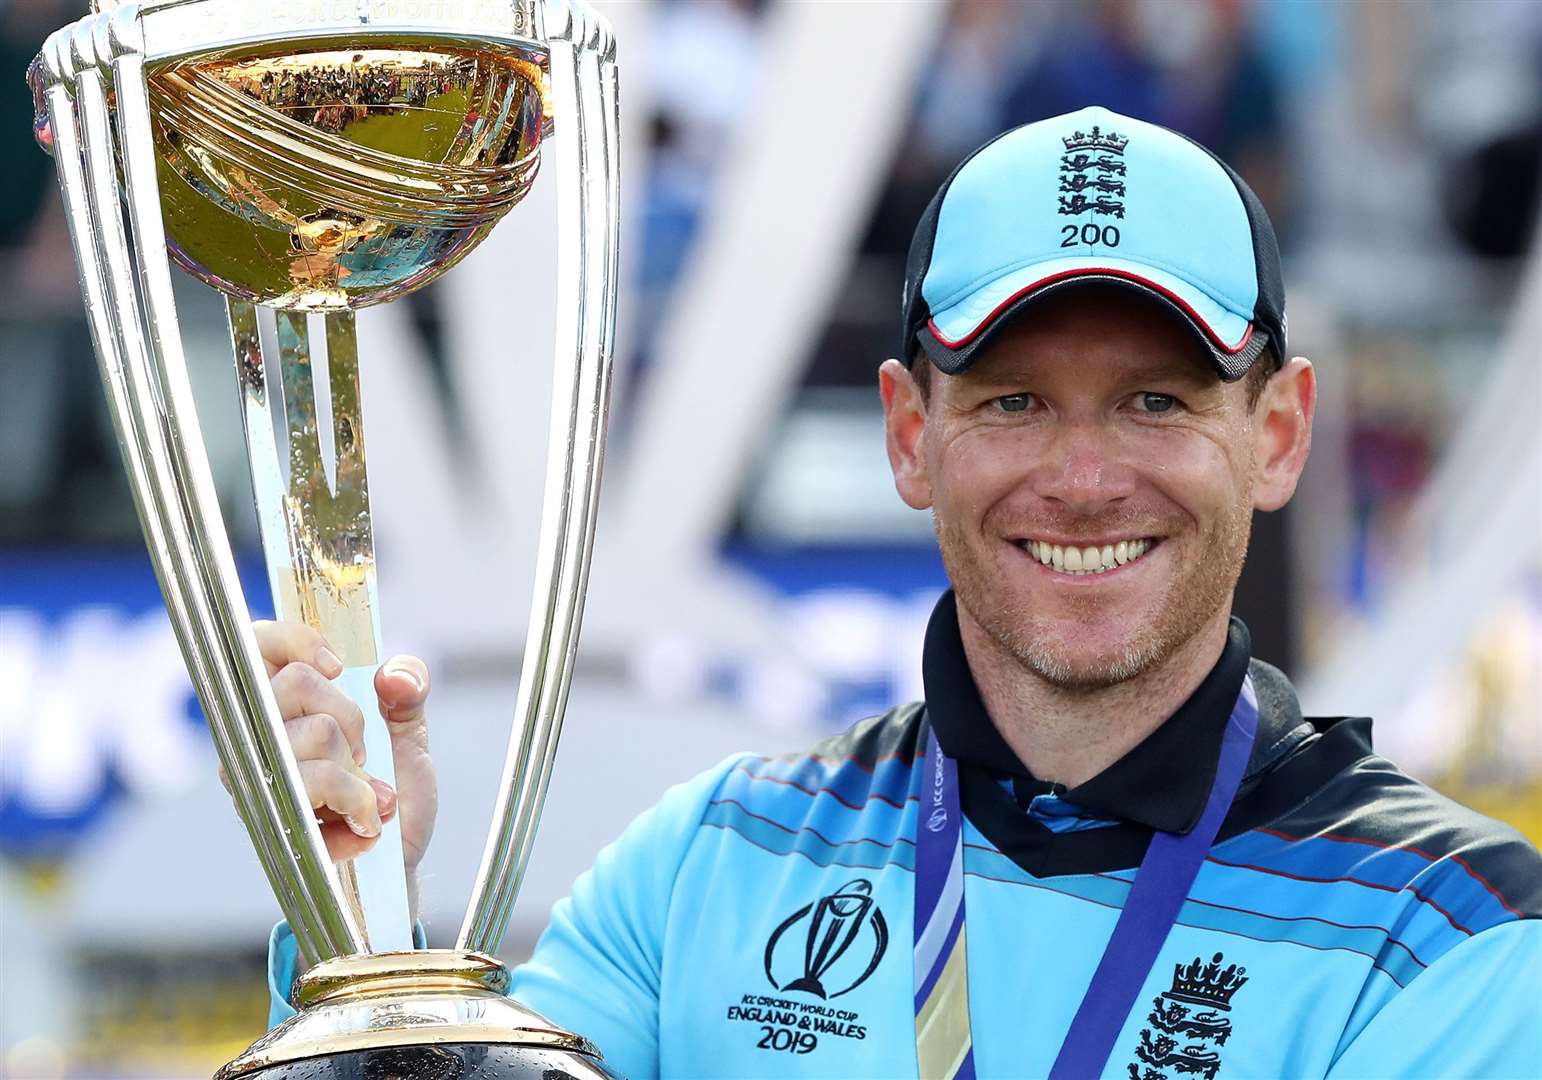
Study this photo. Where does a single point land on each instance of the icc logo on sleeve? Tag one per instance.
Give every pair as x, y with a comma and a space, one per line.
825, 949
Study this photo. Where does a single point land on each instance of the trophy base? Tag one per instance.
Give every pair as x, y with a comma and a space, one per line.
429, 1014
450, 1061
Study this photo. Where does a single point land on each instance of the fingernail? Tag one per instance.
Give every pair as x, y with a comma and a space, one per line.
385, 798
328, 663
361, 828
358, 754
412, 676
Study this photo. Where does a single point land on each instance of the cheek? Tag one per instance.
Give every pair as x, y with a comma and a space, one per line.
973, 472
1205, 475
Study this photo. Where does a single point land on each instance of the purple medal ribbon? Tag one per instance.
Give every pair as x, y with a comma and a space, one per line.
944, 1048
1161, 886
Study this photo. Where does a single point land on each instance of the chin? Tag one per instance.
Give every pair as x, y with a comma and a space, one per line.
1089, 643
1087, 669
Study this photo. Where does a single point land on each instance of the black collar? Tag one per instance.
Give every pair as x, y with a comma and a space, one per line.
1162, 783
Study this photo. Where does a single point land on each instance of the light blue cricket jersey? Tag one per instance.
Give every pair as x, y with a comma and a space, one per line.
1349, 922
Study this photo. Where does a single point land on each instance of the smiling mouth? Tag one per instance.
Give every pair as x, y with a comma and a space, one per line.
1081, 561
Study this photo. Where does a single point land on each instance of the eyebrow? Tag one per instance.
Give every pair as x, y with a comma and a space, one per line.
1197, 373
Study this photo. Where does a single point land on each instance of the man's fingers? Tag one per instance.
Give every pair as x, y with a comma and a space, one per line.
319, 737
302, 690
402, 685
345, 793
385, 799
284, 643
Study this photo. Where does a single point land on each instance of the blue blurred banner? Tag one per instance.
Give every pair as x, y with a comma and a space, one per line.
892, 570
854, 619
97, 705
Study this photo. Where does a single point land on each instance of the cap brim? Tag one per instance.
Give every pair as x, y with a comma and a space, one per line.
956, 334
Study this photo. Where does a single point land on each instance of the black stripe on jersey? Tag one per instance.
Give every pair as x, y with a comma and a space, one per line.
895, 734
1375, 804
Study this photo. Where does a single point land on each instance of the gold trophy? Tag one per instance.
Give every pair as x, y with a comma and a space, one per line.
307, 158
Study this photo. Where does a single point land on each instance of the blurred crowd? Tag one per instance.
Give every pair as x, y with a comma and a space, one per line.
330, 97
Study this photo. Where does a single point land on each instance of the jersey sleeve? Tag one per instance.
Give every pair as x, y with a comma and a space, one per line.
1476, 1012
283, 956
283, 964
596, 970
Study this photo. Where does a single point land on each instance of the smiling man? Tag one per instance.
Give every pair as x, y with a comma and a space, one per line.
1108, 842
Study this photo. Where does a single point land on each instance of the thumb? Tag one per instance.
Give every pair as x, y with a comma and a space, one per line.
402, 686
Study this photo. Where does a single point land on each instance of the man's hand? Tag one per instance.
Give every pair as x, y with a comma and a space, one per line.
326, 732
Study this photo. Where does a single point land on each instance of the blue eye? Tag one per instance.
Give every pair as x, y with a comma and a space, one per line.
1156, 403
1013, 402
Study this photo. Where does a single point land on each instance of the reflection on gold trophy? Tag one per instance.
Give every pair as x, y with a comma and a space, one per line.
325, 180
309, 158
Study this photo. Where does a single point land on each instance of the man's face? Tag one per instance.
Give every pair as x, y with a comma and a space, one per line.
1093, 421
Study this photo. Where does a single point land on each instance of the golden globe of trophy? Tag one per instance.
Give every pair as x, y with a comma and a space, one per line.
307, 158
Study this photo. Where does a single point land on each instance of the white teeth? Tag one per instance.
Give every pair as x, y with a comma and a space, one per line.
1089, 560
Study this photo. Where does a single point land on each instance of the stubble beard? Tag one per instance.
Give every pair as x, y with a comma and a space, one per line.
1198, 589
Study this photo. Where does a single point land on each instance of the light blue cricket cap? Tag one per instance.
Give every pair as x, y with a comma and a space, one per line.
1093, 196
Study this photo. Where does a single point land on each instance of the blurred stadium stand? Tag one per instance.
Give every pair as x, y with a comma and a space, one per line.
756, 581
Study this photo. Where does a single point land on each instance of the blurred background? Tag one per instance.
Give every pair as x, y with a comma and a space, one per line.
757, 583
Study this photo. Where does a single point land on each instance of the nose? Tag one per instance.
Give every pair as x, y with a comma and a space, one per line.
1084, 471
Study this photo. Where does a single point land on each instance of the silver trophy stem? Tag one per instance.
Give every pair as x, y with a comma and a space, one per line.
145, 372
124, 399
583, 79
307, 877
319, 549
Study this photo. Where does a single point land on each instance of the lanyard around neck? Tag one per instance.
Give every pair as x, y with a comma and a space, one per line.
944, 1042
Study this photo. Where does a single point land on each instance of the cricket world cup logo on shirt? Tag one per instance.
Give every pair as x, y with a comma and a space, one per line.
835, 923
822, 951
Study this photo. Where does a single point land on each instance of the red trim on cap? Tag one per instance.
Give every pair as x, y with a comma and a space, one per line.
1084, 271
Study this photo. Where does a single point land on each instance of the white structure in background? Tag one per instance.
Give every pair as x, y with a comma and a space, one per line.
1475, 538
730, 348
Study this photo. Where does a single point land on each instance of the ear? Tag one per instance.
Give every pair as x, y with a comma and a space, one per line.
904, 422
1282, 433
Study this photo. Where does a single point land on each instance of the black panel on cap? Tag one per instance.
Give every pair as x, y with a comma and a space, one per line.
1269, 310
916, 313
